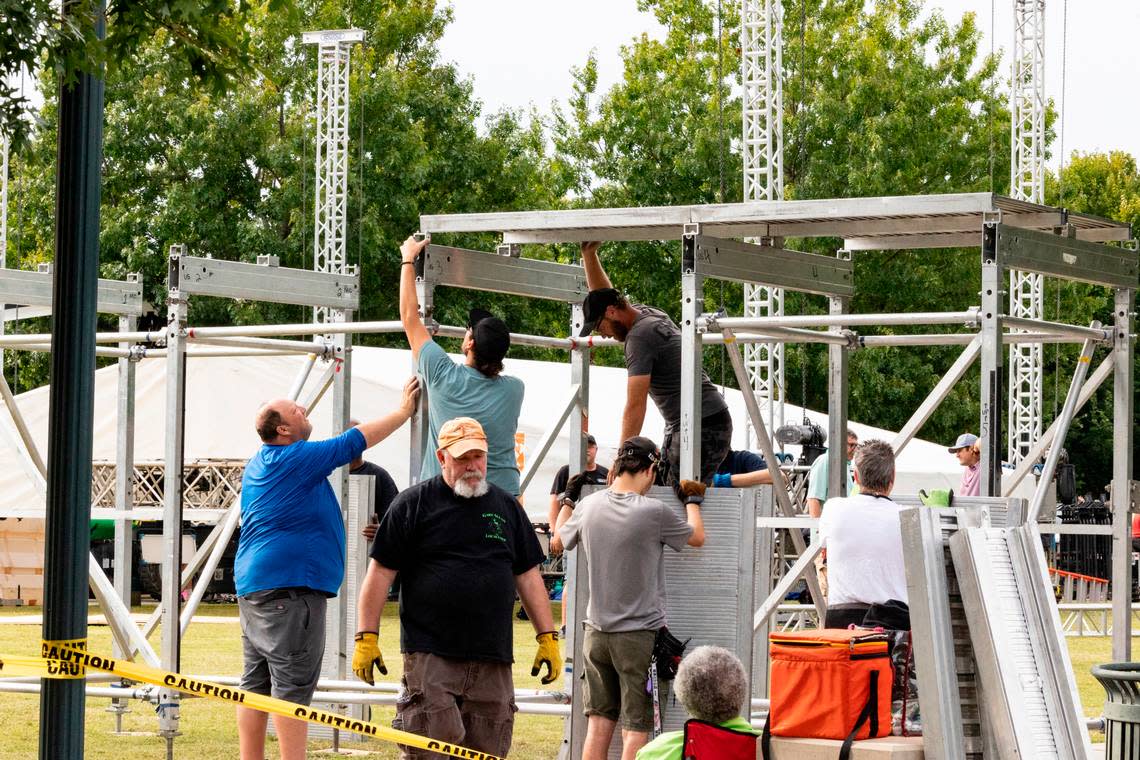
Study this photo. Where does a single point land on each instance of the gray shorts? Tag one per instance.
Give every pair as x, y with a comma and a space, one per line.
283, 642
616, 671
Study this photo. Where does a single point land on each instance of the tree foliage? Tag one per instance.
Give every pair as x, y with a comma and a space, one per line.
210, 38
881, 98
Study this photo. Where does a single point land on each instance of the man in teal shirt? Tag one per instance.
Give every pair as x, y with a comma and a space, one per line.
477, 388
817, 494
818, 477
712, 687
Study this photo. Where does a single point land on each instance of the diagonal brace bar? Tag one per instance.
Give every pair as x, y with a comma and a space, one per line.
567, 407
779, 486
772, 603
937, 395
1063, 422
1095, 380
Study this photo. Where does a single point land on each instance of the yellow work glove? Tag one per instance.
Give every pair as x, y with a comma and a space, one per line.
549, 655
366, 657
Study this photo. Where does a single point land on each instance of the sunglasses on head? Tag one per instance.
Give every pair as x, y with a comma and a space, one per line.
653, 456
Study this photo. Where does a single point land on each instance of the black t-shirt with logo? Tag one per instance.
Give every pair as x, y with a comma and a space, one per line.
596, 477
457, 559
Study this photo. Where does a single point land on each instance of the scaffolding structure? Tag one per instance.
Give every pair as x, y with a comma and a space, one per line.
762, 151
1009, 233
1027, 183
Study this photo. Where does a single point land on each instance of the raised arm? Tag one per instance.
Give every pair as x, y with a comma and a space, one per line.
380, 428
409, 300
595, 275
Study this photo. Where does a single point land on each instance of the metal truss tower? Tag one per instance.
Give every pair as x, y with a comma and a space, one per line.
331, 180
761, 46
1027, 182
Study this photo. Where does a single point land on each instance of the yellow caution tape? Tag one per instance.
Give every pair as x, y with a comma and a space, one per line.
62, 659
56, 666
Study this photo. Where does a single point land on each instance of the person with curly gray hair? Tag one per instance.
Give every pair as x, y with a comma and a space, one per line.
712, 687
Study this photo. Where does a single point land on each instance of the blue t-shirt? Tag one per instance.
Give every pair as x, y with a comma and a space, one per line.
742, 461
292, 532
456, 390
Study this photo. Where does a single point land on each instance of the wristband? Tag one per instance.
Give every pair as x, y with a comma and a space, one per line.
722, 480
407, 263
360, 635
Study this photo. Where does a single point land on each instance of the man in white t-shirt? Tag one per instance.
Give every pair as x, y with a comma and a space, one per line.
863, 541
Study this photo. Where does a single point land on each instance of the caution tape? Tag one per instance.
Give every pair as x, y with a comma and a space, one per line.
70, 659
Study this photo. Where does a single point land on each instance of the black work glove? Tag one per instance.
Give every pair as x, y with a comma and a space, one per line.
690, 491
573, 490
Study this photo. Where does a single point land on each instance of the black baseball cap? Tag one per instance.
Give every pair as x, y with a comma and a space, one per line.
590, 441
491, 336
640, 450
594, 307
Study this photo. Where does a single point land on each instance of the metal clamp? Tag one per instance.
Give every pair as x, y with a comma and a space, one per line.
268, 260
691, 228
707, 322
510, 250
991, 217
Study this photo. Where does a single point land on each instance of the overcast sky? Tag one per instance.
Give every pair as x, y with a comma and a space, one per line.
520, 52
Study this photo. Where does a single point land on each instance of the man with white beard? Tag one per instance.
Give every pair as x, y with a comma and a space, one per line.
462, 548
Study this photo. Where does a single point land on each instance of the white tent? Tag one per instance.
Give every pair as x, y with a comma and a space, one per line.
223, 393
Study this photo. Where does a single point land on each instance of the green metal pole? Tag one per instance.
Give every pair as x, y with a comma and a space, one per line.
71, 398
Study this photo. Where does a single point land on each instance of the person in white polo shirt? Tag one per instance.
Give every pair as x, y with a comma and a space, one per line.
863, 541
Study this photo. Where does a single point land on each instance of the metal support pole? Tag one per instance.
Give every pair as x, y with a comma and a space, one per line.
124, 477
420, 436
968, 318
1123, 402
989, 432
337, 651
168, 711
937, 395
573, 596
71, 396
692, 356
836, 408
1063, 422
302, 377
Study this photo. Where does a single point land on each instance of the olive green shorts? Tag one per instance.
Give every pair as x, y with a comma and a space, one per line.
616, 674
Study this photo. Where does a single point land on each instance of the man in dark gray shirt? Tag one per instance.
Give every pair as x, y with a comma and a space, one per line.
653, 360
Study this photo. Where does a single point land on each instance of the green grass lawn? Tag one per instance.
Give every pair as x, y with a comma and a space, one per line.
208, 729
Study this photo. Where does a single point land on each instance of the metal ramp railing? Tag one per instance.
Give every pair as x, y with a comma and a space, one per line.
1031, 706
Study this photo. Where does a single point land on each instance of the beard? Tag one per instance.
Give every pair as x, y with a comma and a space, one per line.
466, 490
619, 330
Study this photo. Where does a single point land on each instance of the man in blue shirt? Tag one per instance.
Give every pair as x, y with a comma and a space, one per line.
476, 388
291, 558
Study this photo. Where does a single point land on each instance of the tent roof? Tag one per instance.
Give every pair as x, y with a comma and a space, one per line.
222, 395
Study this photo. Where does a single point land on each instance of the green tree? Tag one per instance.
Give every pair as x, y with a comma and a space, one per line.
209, 36
1108, 185
231, 174
878, 101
